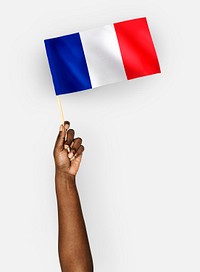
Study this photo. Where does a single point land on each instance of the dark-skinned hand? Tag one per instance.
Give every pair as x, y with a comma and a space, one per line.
68, 150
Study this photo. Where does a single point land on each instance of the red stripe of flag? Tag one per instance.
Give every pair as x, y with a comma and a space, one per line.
137, 49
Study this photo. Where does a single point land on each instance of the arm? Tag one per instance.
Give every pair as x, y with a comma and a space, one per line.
73, 245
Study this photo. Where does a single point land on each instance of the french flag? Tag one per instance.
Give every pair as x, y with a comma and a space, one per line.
103, 55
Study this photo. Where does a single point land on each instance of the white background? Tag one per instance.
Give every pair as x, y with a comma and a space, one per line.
139, 180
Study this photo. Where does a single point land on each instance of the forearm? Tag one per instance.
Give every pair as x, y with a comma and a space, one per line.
73, 245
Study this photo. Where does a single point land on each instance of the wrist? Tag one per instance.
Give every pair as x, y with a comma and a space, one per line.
65, 184
62, 175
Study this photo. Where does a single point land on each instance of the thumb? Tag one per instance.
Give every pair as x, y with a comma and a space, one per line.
59, 145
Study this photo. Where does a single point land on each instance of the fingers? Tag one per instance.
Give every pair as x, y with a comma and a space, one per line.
66, 125
69, 139
61, 136
75, 144
72, 155
80, 150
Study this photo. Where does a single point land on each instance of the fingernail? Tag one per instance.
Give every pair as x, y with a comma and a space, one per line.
71, 144
70, 155
67, 147
72, 158
61, 127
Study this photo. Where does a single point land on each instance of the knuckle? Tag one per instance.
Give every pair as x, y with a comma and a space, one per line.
82, 148
79, 140
71, 131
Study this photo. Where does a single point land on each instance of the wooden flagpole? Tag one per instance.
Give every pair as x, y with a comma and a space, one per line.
61, 110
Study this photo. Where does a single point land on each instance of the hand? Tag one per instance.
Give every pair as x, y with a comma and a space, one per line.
67, 151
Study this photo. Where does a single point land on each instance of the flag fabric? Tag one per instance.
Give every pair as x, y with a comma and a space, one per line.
103, 55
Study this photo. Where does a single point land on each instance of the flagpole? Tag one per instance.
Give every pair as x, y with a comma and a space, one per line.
61, 110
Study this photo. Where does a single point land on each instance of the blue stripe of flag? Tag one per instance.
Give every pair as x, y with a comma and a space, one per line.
68, 64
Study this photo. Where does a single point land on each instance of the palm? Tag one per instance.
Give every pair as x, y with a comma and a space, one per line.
71, 167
